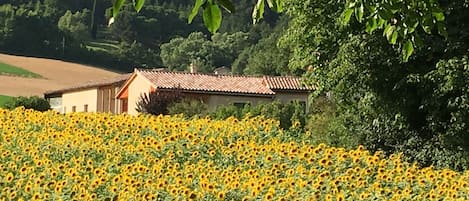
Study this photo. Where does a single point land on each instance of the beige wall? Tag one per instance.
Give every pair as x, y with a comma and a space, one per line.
79, 99
136, 87
288, 97
216, 100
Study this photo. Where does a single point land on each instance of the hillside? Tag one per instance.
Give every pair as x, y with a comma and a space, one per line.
55, 74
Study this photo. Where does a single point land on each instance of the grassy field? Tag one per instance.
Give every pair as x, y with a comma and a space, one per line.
6, 69
102, 45
4, 99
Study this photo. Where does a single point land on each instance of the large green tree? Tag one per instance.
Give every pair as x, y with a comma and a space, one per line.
416, 105
29, 28
397, 19
205, 53
75, 24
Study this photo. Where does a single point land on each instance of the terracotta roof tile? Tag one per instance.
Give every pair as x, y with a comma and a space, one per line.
207, 82
222, 83
285, 83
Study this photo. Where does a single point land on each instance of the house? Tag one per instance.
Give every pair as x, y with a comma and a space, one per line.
121, 94
93, 96
212, 89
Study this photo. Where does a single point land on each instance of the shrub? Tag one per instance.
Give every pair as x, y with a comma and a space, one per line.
33, 102
157, 102
188, 107
288, 114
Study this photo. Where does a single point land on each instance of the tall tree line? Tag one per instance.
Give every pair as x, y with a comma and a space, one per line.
418, 107
155, 37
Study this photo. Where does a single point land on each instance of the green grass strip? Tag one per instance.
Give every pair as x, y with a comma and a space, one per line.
4, 99
6, 69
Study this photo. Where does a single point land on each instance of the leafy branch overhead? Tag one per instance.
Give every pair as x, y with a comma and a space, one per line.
212, 14
399, 20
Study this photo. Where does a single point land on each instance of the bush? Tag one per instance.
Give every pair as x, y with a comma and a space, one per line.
157, 102
188, 107
319, 121
33, 102
290, 114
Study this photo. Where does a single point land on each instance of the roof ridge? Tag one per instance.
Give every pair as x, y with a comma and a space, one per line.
163, 70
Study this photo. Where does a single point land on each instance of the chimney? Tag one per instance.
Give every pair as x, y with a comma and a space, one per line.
192, 68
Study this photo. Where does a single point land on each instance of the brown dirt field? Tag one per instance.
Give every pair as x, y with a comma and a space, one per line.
56, 75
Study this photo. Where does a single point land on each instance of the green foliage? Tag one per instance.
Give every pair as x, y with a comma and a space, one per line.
290, 115
399, 20
382, 101
61, 29
212, 14
446, 102
265, 58
32, 102
28, 28
223, 112
75, 24
157, 102
188, 107
180, 52
4, 99
135, 54
321, 115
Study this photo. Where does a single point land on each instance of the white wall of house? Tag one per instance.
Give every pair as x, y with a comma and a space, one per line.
137, 87
56, 103
80, 100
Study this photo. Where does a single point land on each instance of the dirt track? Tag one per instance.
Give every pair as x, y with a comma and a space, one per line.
56, 75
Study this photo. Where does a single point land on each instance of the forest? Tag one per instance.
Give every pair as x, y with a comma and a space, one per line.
158, 36
395, 81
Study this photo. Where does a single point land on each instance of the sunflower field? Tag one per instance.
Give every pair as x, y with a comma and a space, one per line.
91, 156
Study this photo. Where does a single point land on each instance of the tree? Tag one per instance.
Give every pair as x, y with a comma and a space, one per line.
75, 24
206, 54
29, 29
384, 102
180, 52
398, 19
265, 57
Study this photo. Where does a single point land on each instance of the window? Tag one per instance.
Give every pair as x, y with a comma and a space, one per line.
74, 108
85, 108
124, 105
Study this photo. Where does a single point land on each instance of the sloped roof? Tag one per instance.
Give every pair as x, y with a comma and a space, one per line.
206, 82
284, 83
118, 80
264, 85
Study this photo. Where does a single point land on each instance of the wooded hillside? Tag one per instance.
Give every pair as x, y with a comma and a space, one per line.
157, 36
